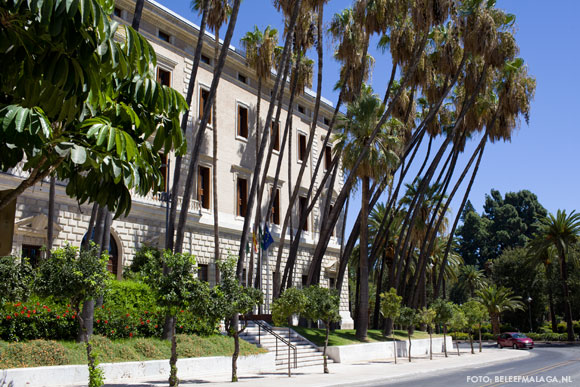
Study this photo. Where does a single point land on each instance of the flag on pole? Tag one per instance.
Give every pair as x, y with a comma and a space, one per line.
267, 239
254, 242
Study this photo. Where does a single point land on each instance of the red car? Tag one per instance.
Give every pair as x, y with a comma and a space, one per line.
514, 340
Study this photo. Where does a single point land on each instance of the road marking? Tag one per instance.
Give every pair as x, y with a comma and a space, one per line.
536, 371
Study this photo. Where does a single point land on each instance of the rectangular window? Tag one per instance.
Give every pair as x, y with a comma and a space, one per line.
242, 121
301, 109
275, 216
332, 282
203, 98
31, 252
301, 146
302, 205
326, 121
163, 36
164, 77
203, 184
205, 59
275, 135
327, 157
304, 280
242, 78
203, 273
117, 12
242, 196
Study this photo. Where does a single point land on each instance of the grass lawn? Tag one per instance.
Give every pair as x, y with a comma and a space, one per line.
347, 336
38, 353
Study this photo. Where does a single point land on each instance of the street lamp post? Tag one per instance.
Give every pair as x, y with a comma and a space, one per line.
530, 311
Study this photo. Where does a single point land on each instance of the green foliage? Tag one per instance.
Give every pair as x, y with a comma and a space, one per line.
172, 278
76, 99
391, 304
475, 313
72, 276
458, 320
407, 318
17, 277
427, 316
292, 301
96, 375
443, 311
142, 256
18, 355
506, 222
498, 299
231, 297
322, 304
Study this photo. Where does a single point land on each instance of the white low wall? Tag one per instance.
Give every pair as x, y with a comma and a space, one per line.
199, 366
385, 349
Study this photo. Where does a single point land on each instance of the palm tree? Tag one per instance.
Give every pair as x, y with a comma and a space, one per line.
498, 300
217, 14
355, 129
260, 47
561, 232
545, 260
471, 279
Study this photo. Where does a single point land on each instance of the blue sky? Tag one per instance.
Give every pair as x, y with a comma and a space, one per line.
541, 157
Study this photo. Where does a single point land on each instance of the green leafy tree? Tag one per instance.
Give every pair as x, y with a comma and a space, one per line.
234, 299
427, 316
562, 232
322, 304
172, 278
408, 319
475, 314
509, 221
78, 103
291, 302
497, 300
458, 323
471, 279
17, 278
391, 309
443, 315
76, 277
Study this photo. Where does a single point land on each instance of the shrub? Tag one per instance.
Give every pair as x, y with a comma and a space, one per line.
17, 277
17, 355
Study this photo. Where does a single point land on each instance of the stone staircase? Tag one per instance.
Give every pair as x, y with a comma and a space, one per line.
307, 354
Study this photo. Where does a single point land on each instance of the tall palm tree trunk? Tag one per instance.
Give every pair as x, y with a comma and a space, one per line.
216, 225
175, 189
137, 14
363, 316
196, 149
566, 294
377, 309
258, 166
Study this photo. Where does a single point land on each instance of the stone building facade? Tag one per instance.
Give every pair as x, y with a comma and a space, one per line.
174, 39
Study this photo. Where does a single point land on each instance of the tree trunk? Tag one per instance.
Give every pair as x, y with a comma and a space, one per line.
216, 227
377, 310
173, 379
457, 344
445, 339
85, 338
479, 331
326, 346
363, 315
235, 355
471, 342
430, 343
137, 14
91, 229
175, 189
566, 294
394, 341
258, 167
196, 149
495, 324
552, 310
409, 334
51, 217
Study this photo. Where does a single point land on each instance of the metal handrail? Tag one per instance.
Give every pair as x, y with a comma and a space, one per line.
267, 328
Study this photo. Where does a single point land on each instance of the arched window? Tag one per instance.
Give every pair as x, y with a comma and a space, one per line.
113, 264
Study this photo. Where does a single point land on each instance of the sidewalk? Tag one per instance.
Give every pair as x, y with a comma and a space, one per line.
349, 374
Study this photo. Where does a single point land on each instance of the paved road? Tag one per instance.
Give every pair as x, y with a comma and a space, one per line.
548, 365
